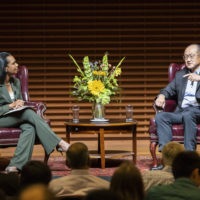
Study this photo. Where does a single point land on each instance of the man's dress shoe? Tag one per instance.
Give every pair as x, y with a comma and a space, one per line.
159, 167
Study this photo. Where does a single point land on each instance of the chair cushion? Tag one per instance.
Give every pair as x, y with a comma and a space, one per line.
9, 136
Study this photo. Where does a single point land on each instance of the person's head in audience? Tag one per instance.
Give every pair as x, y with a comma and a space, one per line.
169, 152
78, 156
2, 195
101, 194
36, 192
187, 164
127, 182
9, 184
34, 172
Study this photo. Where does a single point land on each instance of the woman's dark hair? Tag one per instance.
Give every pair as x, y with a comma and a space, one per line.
100, 194
3, 65
127, 182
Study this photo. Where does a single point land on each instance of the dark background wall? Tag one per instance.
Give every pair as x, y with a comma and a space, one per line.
151, 34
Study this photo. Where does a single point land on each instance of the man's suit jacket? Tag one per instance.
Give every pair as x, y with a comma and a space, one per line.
176, 89
5, 99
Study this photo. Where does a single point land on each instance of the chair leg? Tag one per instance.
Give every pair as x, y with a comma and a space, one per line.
153, 153
46, 158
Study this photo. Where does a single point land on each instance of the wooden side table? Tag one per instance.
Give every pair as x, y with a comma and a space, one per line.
86, 126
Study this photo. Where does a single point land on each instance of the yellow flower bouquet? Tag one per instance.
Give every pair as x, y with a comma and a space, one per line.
97, 81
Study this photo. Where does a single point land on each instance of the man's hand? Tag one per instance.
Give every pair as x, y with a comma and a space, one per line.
192, 77
160, 101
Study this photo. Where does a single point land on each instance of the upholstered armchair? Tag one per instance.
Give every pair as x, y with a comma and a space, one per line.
177, 129
9, 136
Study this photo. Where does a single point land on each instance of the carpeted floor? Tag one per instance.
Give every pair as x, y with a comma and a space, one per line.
57, 161
58, 167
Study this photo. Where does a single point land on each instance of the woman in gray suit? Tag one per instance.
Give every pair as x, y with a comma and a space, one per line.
32, 125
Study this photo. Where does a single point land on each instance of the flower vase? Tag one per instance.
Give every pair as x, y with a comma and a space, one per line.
99, 113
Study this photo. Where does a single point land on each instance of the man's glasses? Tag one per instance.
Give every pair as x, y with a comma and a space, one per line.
191, 56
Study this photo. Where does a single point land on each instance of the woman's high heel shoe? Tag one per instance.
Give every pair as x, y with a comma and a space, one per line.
62, 146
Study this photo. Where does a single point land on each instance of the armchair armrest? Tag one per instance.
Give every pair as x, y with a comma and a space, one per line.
40, 107
170, 106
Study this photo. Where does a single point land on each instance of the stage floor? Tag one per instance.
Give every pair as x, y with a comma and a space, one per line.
57, 160
122, 145
116, 145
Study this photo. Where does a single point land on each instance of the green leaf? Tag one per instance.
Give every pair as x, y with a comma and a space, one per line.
86, 65
77, 79
79, 69
105, 62
120, 62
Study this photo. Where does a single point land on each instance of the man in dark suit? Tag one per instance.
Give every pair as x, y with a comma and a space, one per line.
185, 88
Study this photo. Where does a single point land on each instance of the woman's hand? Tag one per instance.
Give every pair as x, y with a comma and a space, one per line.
16, 104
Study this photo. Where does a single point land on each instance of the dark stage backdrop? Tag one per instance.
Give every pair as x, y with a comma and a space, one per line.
151, 34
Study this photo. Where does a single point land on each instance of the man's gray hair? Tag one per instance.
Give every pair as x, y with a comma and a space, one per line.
197, 45
169, 152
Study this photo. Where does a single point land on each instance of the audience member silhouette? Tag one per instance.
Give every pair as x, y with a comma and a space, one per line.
185, 168
127, 182
101, 194
9, 184
80, 181
164, 176
35, 172
36, 192
2, 195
